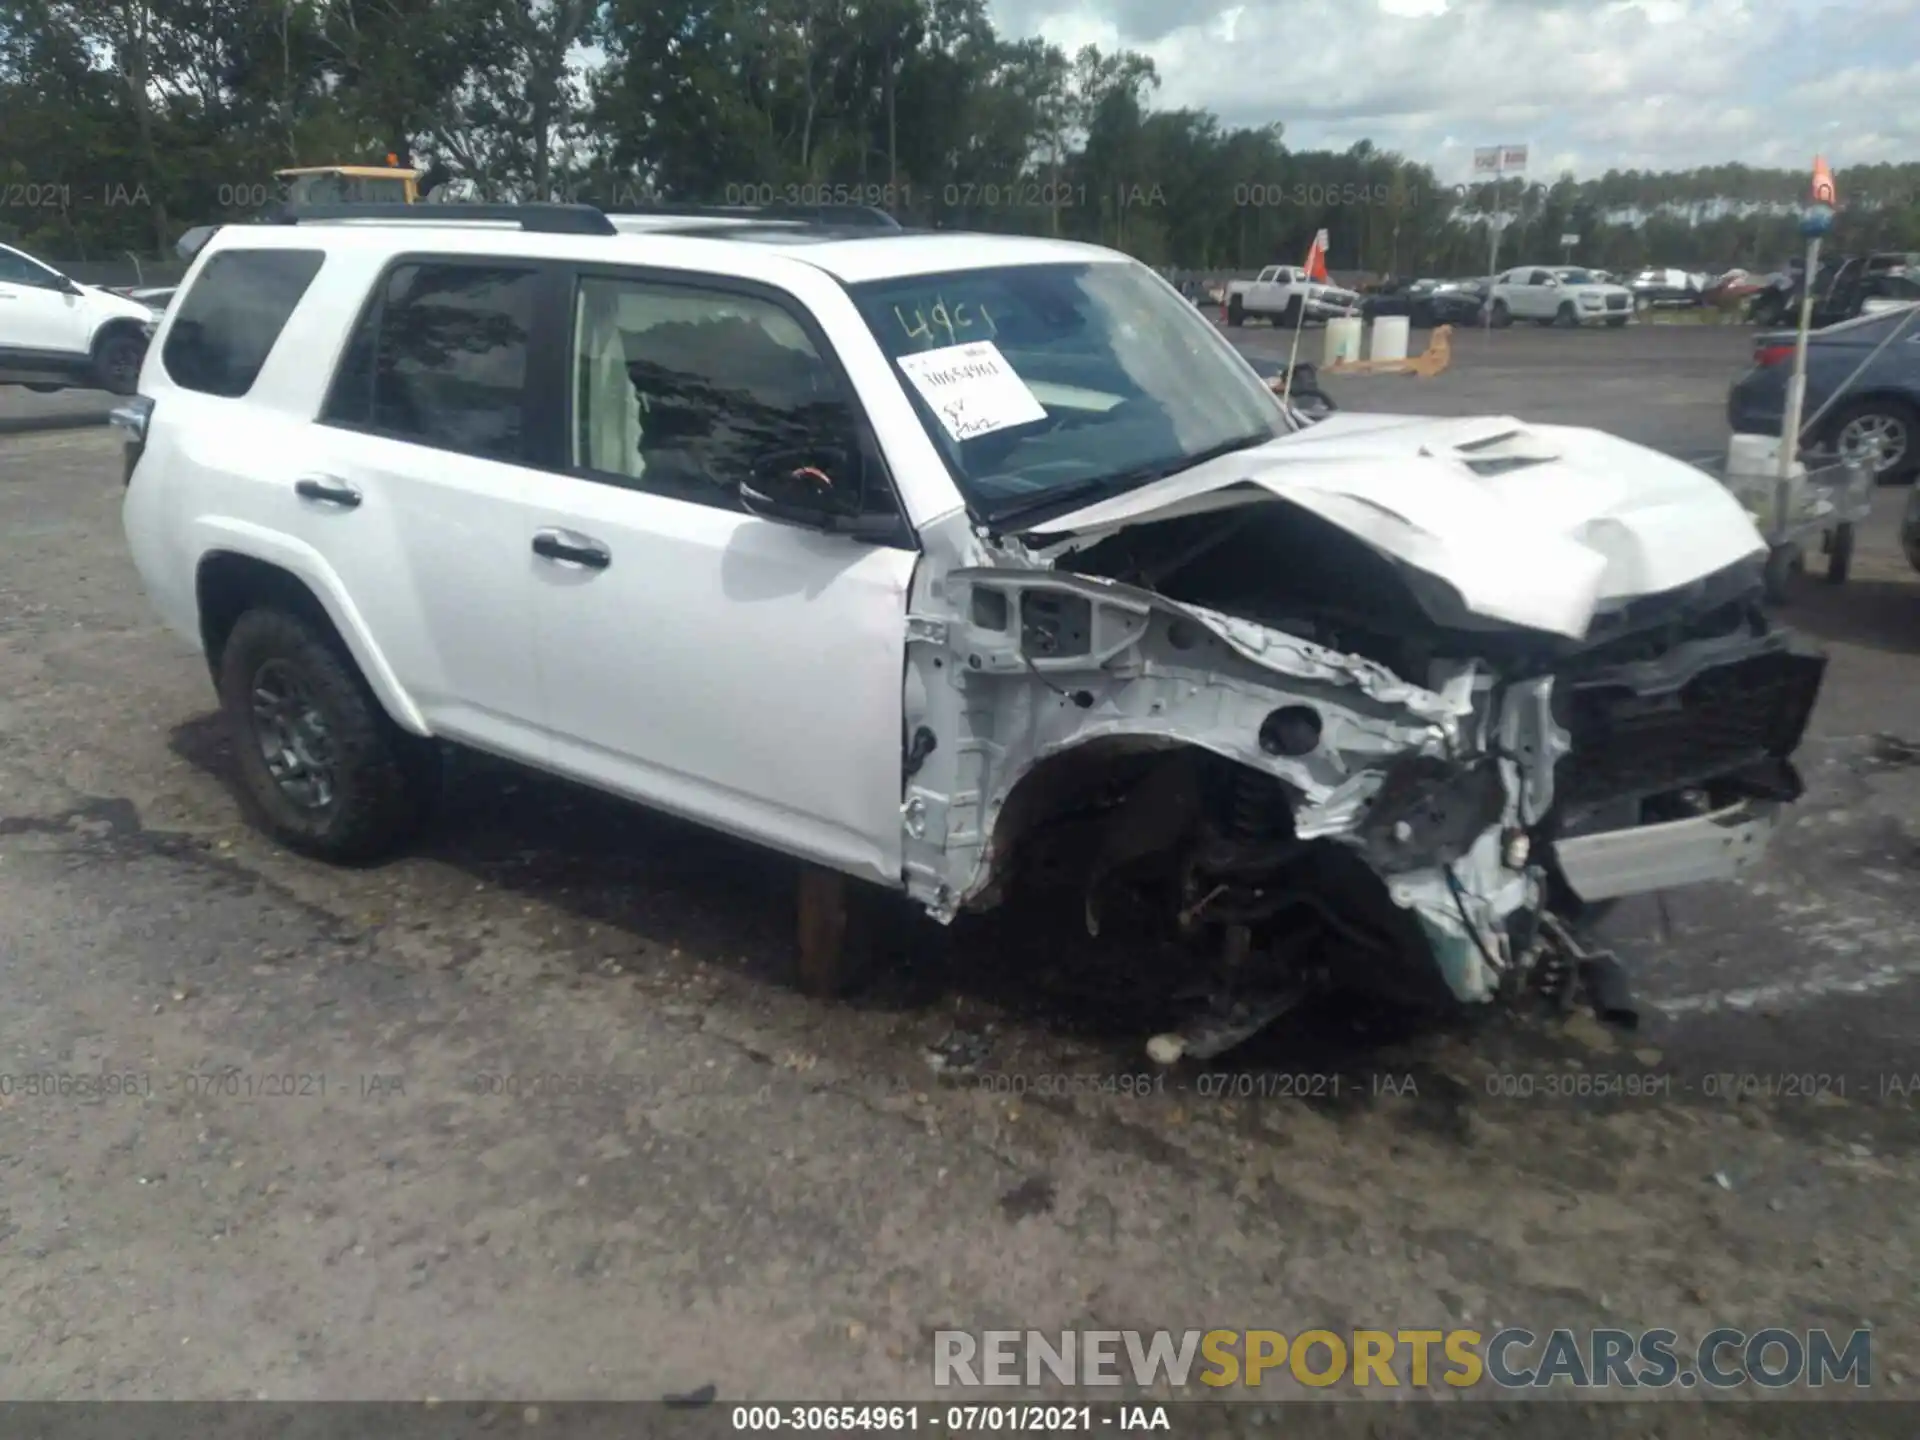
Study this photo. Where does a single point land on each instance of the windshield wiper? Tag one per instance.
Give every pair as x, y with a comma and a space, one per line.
1122, 481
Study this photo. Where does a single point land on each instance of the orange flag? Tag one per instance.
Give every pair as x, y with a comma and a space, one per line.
1823, 191
1316, 266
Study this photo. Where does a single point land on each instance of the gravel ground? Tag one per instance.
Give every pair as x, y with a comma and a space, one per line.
312, 1188
21, 408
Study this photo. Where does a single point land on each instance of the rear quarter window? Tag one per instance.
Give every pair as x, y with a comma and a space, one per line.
226, 325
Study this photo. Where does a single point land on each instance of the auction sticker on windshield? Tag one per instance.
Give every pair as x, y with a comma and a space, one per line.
972, 389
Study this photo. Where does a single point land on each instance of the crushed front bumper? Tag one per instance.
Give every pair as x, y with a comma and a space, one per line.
1678, 768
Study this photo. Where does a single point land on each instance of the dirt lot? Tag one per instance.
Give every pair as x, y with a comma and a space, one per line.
334, 1173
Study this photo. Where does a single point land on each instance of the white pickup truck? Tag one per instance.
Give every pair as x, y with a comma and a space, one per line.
1281, 291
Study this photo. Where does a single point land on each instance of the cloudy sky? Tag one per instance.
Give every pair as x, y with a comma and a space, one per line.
1588, 84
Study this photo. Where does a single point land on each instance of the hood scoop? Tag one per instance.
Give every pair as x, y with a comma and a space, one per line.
1501, 453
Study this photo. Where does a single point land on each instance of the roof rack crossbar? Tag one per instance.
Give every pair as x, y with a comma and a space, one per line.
864, 217
540, 218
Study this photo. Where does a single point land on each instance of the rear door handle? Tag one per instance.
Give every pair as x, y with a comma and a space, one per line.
569, 547
327, 491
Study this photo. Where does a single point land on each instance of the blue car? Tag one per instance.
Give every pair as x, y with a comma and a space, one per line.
1877, 419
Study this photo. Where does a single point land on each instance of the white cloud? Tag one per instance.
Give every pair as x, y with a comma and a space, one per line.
1591, 84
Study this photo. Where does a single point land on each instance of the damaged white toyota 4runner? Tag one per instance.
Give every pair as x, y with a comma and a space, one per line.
952, 563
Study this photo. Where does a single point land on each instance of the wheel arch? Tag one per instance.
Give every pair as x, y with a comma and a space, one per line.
1061, 781
115, 326
229, 582
1875, 395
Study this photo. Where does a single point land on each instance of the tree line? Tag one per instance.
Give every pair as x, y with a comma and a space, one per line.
123, 122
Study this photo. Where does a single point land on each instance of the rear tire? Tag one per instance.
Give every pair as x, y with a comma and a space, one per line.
323, 769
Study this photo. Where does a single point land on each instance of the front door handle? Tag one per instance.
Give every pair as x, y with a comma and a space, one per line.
327, 491
569, 547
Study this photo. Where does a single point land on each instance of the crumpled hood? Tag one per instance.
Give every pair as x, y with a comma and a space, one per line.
1533, 525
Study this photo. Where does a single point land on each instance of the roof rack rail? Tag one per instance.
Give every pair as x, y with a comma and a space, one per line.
540, 219
860, 217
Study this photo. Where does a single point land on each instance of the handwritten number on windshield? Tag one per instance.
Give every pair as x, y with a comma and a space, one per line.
956, 322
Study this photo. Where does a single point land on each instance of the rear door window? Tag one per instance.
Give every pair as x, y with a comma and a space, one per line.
228, 321
440, 358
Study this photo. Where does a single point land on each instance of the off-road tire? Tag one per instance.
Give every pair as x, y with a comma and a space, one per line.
117, 356
385, 781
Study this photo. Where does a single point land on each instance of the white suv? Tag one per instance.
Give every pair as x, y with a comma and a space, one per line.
56, 333
1559, 295
945, 563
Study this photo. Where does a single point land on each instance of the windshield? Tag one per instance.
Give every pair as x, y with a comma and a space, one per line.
1049, 386
1587, 277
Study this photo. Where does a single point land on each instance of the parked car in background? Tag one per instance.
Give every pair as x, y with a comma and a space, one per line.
1882, 293
1736, 282
1841, 290
1558, 295
1667, 287
155, 297
1427, 303
57, 334
1877, 418
1282, 293
1461, 302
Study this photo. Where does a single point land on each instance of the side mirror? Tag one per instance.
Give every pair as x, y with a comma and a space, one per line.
69, 286
822, 487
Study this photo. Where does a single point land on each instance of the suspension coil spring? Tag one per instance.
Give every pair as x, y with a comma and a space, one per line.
1255, 805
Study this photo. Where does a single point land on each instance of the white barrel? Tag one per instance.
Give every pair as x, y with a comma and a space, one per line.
1390, 337
1343, 339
